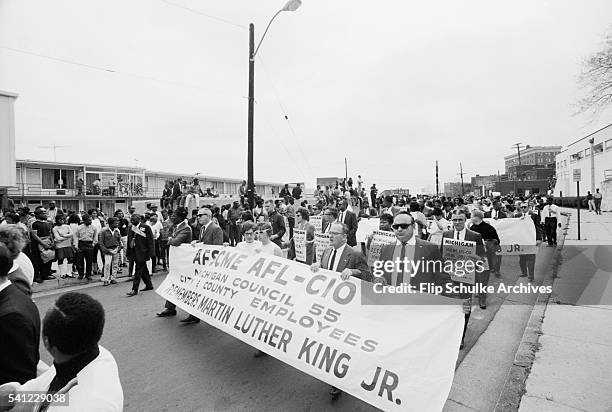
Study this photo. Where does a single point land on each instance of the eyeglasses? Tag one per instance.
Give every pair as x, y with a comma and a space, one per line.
398, 226
458, 220
335, 233
203, 214
249, 233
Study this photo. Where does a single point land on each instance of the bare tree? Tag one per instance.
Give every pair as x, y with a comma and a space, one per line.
596, 80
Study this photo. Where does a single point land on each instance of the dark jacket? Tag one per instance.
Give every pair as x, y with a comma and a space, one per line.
181, 234
278, 227
350, 219
19, 336
144, 246
500, 215
424, 251
212, 235
350, 259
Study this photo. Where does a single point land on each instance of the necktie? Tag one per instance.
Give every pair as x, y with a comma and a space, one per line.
333, 259
457, 235
133, 242
400, 275
341, 217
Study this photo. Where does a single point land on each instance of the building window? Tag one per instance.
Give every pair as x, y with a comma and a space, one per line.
587, 152
57, 179
608, 144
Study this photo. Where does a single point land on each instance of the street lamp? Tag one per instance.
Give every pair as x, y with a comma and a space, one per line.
291, 5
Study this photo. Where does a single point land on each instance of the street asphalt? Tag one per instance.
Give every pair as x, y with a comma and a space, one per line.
167, 366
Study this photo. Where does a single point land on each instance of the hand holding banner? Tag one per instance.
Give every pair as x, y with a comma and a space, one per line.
316, 323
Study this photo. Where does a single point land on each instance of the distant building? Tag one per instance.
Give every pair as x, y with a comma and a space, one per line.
578, 157
453, 189
78, 186
482, 185
531, 157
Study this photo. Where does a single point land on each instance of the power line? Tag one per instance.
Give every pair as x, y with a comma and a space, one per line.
114, 71
285, 115
218, 19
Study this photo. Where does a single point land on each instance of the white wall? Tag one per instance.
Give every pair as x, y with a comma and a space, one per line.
7, 140
603, 165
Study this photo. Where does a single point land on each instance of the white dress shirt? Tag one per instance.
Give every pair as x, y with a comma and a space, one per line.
409, 255
550, 211
461, 234
339, 253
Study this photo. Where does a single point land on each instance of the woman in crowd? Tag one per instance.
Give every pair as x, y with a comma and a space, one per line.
41, 242
22, 272
267, 246
96, 223
63, 236
74, 221
249, 242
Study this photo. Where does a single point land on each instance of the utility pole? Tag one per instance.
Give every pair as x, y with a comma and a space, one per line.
461, 173
345, 170
250, 169
437, 182
592, 142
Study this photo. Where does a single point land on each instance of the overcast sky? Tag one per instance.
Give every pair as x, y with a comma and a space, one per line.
391, 85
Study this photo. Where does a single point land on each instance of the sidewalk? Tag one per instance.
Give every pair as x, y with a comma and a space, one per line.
571, 371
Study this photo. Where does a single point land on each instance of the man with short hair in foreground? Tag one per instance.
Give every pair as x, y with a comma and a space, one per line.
84, 374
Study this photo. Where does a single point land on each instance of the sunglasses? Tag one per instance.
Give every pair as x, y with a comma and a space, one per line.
401, 226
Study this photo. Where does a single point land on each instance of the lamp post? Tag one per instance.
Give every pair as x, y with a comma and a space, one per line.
291, 5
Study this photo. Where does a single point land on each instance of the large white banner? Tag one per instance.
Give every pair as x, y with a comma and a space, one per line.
393, 357
517, 236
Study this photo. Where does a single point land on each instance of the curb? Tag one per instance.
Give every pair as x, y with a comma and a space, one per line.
514, 386
58, 285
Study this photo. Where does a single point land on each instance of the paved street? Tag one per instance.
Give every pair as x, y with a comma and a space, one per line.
168, 366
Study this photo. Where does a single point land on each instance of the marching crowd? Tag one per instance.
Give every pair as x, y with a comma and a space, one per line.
139, 243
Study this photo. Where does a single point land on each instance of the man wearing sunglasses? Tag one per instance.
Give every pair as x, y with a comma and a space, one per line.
210, 234
461, 232
409, 248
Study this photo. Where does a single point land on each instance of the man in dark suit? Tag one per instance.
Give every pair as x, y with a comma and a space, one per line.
340, 257
210, 234
496, 213
411, 247
19, 328
141, 248
461, 232
181, 234
349, 219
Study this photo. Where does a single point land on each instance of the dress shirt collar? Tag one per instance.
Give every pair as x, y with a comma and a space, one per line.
411, 241
340, 250
461, 233
5, 285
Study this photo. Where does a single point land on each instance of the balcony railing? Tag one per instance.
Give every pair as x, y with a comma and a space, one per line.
121, 190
